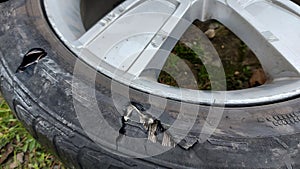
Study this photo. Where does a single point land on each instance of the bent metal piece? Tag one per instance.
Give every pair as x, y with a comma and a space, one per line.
134, 34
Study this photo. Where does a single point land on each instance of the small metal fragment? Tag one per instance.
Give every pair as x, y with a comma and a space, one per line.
152, 133
128, 113
167, 142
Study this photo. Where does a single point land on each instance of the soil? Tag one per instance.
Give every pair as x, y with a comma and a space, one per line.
242, 68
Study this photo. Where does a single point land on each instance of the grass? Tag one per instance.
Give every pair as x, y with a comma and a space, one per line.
18, 149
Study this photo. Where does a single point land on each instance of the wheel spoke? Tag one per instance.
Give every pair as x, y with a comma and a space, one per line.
147, 30
270, 36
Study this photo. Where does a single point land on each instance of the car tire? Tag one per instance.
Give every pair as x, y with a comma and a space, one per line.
256, 136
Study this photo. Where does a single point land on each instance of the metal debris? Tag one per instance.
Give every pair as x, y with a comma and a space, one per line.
167, 141
152, 132
152, 126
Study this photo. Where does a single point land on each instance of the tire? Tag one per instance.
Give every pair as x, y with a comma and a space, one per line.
256, 136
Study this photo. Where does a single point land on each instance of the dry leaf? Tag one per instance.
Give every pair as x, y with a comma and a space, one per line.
258, 78
20, 160
211, 33
9, 149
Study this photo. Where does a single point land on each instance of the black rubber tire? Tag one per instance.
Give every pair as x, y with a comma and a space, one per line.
260, 136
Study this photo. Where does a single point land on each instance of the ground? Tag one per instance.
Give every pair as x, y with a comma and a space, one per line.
242, 68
